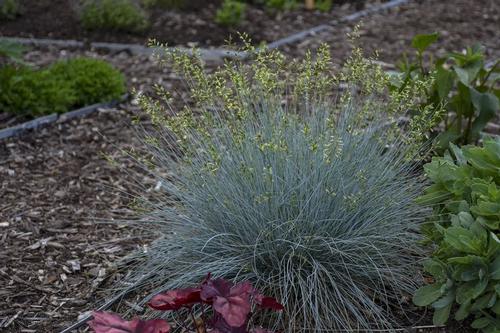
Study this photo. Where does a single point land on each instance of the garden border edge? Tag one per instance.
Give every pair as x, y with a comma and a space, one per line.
54, 117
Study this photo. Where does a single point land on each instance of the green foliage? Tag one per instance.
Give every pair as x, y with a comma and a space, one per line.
167, 4
9, 9
27, 91
324, 5
59, 88
281, 4
231, 13
466, 263
11, 52
118, 15
462, 85
92, 80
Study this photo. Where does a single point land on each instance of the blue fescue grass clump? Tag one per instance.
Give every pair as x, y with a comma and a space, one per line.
272, 178
319, 215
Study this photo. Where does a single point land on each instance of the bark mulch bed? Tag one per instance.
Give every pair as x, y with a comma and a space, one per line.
460, 23
193, 25
56, 183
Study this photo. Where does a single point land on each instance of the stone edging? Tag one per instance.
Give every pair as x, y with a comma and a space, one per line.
41, 121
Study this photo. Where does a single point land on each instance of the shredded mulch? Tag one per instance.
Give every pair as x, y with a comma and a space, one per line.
57, 186
193, 25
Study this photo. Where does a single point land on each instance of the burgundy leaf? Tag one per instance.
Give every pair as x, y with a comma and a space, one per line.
175, 299
219, 325
268, 303
231, 301
212, 288
106, 322
234, 309
152, 326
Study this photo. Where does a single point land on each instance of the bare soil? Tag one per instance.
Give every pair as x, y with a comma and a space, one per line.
193, 25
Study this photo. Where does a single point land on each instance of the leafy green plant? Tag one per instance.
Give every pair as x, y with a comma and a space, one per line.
230, 13
167, 4
324, 5
56, 89
270, 181
11, 52
465, 266
281, 4
92, 80
119, 15
9, 9
468, 91
26, 91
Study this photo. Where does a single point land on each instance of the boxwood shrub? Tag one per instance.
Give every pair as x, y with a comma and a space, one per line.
64, 85
115, 15
465, 266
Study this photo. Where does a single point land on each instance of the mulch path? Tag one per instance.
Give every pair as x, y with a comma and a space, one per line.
193, 25
56, 183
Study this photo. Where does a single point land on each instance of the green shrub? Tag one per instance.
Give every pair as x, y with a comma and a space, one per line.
11, 52
281, 4
167, 4
9, 9
462, 84
275, 183
26, 91
118, 15
231, 13
92, 80
466, 263
324, 5
57, 89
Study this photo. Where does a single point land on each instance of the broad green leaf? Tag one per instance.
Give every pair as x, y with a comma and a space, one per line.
480, 323
423, 41
462, 240
459, 155
436, 268
441, 315
495, 269
463, 311
482, 302
486, 105
470, 290
496, 307
427, 294
444, 82
444, 301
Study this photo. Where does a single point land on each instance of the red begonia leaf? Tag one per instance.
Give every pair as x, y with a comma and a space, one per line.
152, 326
106, 322
268, 303
175, 299
232, 302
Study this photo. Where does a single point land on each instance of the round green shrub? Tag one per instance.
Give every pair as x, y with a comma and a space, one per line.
9, 9
26, 91
231, 13
92, 80
118, 15
64, 85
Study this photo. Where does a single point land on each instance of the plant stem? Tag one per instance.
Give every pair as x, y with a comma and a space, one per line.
194, 320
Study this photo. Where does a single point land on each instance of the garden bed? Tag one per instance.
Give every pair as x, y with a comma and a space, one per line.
56, 182
194, 25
